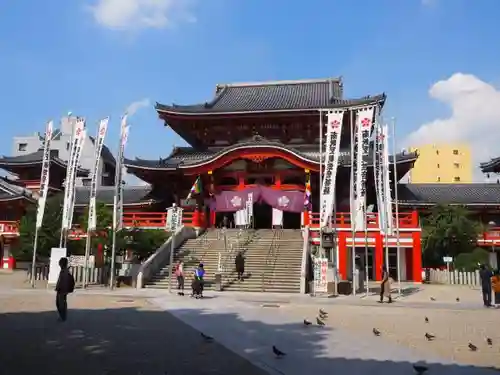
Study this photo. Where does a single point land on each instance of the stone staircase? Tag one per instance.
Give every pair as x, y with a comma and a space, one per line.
272, 263
204, 249
272, 260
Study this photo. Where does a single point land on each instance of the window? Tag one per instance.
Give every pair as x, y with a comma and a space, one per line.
455, 152
456, 179
22, 146
456, 165
67, 145
437, 152
439, 166
439, 179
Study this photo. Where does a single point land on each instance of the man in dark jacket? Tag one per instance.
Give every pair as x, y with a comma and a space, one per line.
485, 277
65, 285
239, 262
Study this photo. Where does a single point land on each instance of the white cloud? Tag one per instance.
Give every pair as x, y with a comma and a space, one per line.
132, 108
474, 119
141, 14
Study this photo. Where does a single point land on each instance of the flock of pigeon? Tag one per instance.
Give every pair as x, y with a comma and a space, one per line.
323, 316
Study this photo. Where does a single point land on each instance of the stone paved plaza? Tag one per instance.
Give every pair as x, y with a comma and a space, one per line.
105, 335
151, 332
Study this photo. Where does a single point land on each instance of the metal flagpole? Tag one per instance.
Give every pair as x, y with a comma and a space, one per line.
396, 201
113, 243
33, 262
353, 222
320, 129
366, 248
63, 235
117, 203
88, 242
320, 178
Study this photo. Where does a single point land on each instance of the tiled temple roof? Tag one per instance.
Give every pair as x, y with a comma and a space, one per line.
466, 194
186, 157
9, 192
492, 166
274, 96
7, 162
105, 194
106, 154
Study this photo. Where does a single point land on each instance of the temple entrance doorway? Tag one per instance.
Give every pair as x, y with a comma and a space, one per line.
220, 221
262, 216
292, 220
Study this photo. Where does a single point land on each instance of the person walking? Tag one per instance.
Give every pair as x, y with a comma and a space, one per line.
239, 262
485, 277
179, 273
495, 285
64, 286
385, 286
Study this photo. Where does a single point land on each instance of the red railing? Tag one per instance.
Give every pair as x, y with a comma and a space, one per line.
490, 238
9, 228
343, 220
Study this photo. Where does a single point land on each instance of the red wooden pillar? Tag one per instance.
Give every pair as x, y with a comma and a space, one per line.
379, 256
212, 218
409, 263
305, 216
342, 243
417, 257
196, 218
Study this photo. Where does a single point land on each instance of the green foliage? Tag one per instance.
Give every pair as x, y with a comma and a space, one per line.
448, 231
49, 233
143, 242
104, 222
470, 261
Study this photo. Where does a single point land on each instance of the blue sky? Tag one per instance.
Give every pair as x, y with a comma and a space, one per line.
95, 58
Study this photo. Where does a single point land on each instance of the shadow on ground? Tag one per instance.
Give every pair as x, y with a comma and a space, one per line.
133, 341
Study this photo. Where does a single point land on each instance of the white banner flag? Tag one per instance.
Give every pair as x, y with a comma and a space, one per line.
70, 179
98, 144
331, 163
364, 125
78, 156
44, 181
378, 156
249, 208
387, 182
118, 199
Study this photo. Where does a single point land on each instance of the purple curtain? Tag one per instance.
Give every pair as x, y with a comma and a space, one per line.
231, 201
288, 201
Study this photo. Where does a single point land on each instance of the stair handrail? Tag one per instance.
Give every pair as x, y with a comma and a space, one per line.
271, 254
229, 256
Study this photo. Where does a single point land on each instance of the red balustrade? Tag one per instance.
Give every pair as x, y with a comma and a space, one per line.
343, 220
490, 238
9, 228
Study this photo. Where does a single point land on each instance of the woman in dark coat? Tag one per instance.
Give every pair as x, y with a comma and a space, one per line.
239, 262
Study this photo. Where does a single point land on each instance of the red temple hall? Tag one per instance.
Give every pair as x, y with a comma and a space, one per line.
264, 138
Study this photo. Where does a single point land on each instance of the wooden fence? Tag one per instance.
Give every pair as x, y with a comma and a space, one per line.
453, 277
96, 276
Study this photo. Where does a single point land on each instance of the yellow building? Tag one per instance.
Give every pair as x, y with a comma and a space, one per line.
443, 163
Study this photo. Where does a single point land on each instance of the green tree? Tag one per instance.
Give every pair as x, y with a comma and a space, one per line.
470, 261
141, 241
448, 231
49, 233
104, 222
